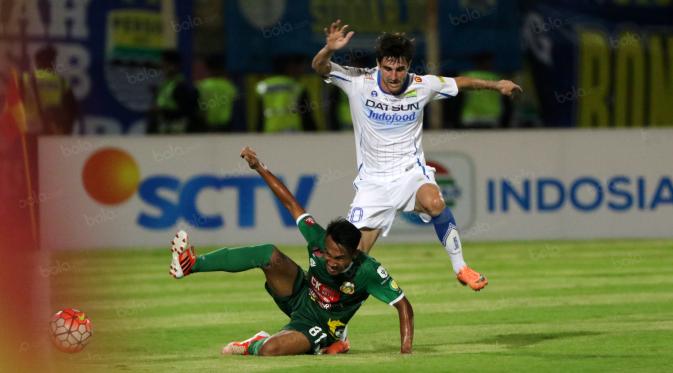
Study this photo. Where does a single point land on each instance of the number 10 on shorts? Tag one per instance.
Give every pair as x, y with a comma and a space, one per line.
355, 214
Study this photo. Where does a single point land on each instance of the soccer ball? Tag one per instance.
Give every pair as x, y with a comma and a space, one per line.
70, 330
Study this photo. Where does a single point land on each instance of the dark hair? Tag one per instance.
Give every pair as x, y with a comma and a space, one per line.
397, 46
344, 234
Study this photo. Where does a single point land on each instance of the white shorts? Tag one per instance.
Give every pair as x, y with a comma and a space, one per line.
377, 201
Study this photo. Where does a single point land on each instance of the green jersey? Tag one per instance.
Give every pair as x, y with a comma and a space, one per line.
335, 299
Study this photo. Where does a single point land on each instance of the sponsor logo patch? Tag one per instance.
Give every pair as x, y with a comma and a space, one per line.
394, 286
347, 288
382, 272
336, 327
323, 295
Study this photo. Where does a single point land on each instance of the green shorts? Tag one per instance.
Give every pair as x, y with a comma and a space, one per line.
295, 307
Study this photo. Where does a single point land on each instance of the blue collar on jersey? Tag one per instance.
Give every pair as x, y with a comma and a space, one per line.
404, 86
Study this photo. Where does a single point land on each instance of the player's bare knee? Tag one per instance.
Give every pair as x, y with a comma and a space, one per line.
277, 258
436, 206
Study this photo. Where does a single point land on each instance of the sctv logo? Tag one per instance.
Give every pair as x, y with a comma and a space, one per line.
111, 176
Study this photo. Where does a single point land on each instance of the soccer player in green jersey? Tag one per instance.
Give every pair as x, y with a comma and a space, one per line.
319, 302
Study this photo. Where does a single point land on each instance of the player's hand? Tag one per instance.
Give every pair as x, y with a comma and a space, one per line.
251, 157
336, 37
508, 88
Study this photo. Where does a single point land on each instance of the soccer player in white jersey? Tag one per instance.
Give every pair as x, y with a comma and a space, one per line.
386, 104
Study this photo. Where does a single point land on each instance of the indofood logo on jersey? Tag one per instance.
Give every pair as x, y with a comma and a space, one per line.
392, 114
451, 191
111, 176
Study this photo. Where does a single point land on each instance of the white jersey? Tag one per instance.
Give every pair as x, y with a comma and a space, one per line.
388, 128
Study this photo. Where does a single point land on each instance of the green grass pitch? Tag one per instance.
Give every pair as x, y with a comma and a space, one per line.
552, 306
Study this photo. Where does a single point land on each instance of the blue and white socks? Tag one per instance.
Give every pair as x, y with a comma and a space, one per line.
447, 232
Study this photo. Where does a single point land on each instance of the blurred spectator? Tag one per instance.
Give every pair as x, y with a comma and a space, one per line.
526, 112
51, 108
216, 96
484, 109
339, 117
285, 102
175, 107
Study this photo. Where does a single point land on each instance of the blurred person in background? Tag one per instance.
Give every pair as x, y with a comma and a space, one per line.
51, 108
284, 100
175, 108
526, 112
216, 96
484, 109
339, 117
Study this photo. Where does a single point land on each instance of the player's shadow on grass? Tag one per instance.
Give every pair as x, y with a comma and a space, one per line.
510, 341
527, 339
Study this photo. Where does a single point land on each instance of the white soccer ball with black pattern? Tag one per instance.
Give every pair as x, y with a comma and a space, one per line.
70, 330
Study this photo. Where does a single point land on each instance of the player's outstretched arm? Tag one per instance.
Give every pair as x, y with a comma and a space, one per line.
505, 87
406, 314
277, 186
336, 37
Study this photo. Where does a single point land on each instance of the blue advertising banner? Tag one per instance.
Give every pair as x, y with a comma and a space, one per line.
108, 51
258, 30
602, 63
472, 29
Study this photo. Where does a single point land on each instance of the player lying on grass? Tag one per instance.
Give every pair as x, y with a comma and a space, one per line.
319, 302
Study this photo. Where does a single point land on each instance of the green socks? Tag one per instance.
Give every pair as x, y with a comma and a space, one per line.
255, 346
237, 260
234, 259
